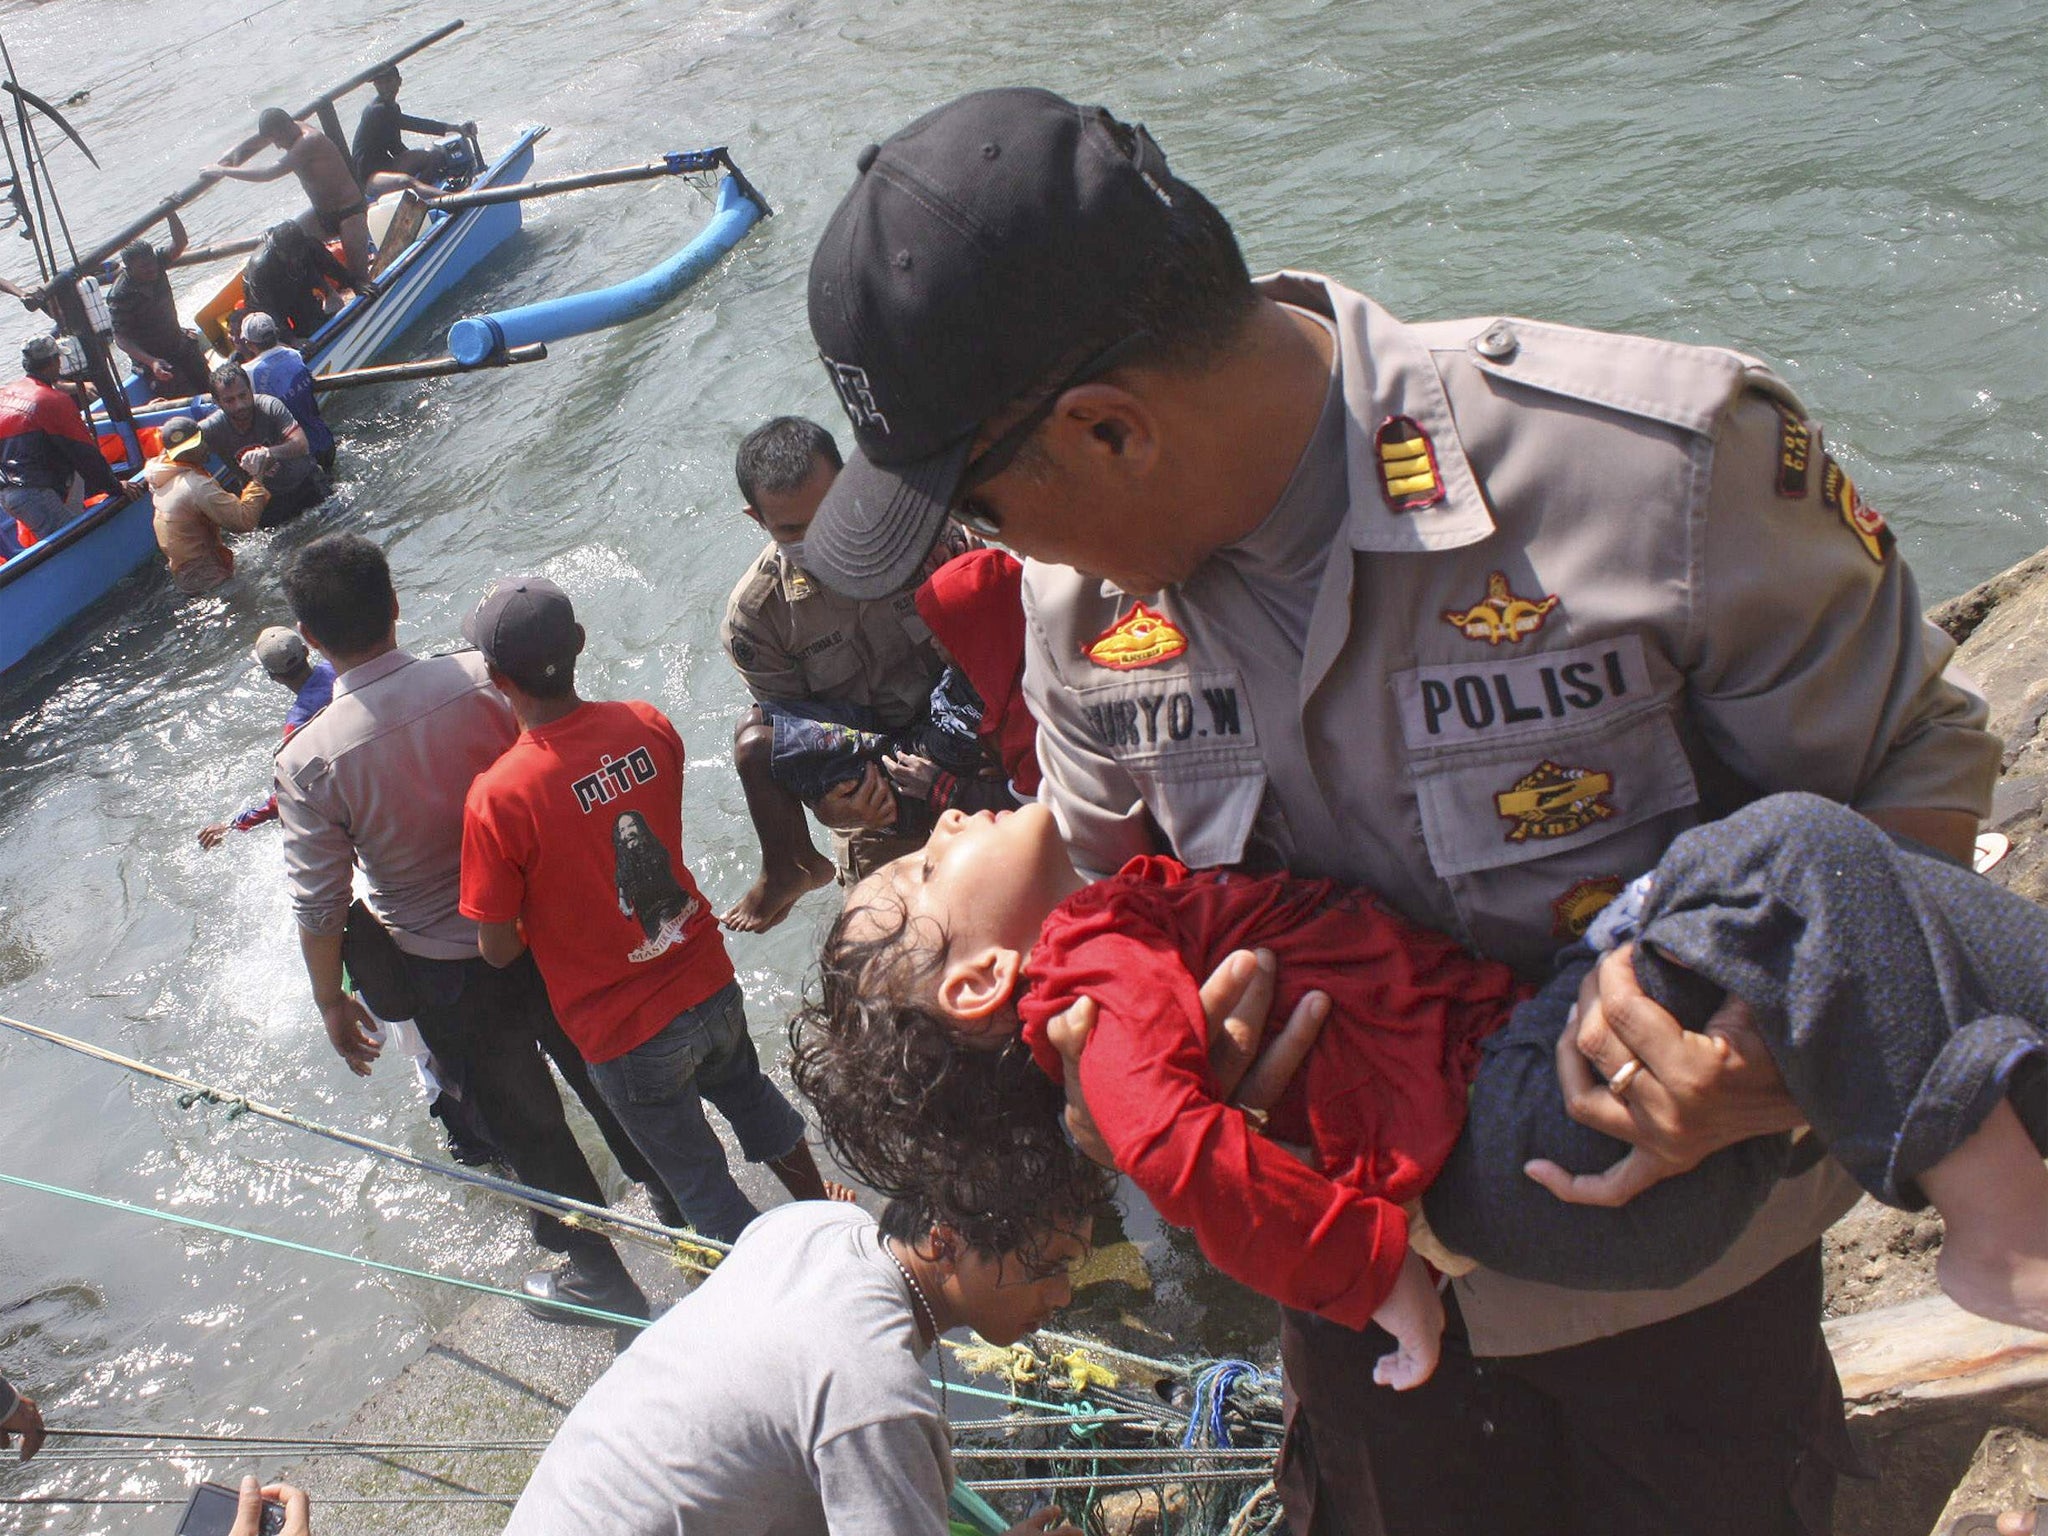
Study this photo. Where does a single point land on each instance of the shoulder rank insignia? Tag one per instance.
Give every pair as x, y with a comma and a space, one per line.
1408, 466
1141, 638
1500, 615
1554, 801
1574, 911
1795, 454
1838, 495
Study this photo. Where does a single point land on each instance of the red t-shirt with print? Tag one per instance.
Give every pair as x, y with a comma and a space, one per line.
577, 831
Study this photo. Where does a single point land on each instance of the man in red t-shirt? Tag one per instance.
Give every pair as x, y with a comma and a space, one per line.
571, 843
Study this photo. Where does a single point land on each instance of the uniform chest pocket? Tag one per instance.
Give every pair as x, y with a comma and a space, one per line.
1535, 756
1190, 743
831, 667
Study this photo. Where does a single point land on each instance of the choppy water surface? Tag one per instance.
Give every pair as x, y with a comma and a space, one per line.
1849, 189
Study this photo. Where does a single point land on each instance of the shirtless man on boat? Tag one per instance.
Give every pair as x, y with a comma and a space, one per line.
330, 184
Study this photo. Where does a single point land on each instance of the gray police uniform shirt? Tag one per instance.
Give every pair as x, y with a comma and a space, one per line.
1582, 592
782, 1397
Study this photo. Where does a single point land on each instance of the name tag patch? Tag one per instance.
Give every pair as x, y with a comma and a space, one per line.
1181, 714
1490, 700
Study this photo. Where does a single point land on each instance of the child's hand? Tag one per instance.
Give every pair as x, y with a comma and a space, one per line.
1414, 1314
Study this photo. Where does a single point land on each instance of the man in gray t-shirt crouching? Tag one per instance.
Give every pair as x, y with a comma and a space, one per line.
786, 1395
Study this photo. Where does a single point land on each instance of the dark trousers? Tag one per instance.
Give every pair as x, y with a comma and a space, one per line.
498, 1024
1724, 1422
1902, 998
288, 504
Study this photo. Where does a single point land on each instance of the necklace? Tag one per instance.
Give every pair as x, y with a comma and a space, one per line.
920, 1304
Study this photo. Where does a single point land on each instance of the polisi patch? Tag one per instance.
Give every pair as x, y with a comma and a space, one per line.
1408, 473
1573, 912
1838, 495
1552, 800
1500, 615
1480, 700
1795, 455
1141, 638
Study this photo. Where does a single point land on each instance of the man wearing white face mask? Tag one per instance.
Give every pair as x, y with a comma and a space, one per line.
797, 642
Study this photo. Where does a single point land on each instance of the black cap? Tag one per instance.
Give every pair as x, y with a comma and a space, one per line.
39, 351
983, 247
525, 626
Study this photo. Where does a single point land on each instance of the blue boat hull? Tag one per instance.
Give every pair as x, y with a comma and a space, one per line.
45, 587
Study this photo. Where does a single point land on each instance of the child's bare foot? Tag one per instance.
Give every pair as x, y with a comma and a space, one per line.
769, 899
1414, 1314
1992, 1193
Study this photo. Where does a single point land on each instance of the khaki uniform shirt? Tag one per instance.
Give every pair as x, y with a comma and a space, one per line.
1592, 589
793, 639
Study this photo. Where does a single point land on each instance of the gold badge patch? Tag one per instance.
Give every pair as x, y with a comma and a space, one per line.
1500, 615
1408, 466
1555, 801
1575, 910
1141, 638
1838, 495
1795, 454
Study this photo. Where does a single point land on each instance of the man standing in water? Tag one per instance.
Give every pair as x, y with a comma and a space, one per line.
377, 779
323, 171
257, 436
1479, 614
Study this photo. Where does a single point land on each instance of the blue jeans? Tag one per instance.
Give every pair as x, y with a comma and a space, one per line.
657, 1090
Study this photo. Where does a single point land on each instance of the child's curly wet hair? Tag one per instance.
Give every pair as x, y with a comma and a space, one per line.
975, 1138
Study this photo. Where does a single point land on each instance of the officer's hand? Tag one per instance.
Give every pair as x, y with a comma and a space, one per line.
1235, 1002
1695, 1092
352, 1032
26, 1421
212, 836
869, 805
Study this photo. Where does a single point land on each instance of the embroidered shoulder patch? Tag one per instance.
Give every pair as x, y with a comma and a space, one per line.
1575, 910
1500, 615
1408, 473
1554, 801
1141, 638
1795, 454
1838, 495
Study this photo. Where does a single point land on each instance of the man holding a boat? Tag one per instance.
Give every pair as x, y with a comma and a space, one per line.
49, 460
329, 182
146, 325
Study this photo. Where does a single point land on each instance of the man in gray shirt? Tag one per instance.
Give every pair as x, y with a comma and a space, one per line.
377, 779
724, 1418
257, 436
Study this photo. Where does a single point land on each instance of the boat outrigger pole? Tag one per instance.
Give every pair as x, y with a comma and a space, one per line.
322, 105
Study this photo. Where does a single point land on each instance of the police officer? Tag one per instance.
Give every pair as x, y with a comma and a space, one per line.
1479, 613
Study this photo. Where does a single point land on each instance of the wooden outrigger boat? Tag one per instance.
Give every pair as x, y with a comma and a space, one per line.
426, 246
52, 582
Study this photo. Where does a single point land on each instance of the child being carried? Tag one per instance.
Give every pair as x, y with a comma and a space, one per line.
1903, 999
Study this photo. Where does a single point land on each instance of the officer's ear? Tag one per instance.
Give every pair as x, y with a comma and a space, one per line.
1109, 425
755, 513
974, 989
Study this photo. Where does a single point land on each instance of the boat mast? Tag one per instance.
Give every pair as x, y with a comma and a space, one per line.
61, 299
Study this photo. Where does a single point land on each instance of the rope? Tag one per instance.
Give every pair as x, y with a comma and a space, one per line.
699, 1255
157, 58
203, 1225
1206, 1423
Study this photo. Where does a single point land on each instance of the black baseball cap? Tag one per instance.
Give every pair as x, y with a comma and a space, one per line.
982, 248
525, 626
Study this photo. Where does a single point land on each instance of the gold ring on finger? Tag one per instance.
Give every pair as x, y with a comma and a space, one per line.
1624, 1075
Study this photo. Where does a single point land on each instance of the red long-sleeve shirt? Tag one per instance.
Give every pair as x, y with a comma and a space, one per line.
1381, 1098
